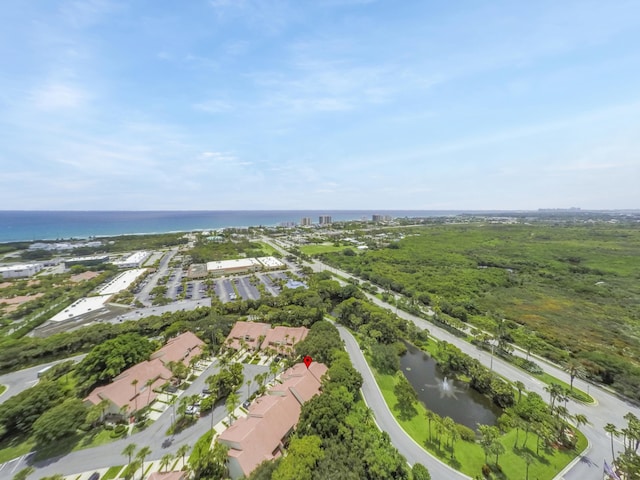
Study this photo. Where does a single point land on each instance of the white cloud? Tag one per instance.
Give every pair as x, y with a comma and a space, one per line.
54, 96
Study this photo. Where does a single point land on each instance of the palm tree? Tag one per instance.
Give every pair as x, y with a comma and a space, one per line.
613, 431
103, 406
528, 460
249, 382
497, 448
449, 425
232, 401
142, 454
129, 450
520, 387
575, 369
554, 390
182, 451
165, 461
134, 382
148, 384
580, 419
430, 416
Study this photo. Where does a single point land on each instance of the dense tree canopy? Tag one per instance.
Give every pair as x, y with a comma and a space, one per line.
60, 421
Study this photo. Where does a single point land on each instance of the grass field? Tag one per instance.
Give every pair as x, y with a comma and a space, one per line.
469, 457
319, 249
2, 389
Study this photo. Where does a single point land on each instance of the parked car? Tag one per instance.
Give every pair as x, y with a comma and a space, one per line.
94, 476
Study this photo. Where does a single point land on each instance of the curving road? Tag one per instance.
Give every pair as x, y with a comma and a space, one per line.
608, 408
153, 436
385, 420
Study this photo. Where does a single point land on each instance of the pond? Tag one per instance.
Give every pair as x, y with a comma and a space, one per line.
446, 397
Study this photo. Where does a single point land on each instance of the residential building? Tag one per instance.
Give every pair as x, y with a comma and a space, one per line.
134, 388
260, 336
248, 335
182, 348
283, 339
324, 219
271, 419
306, 221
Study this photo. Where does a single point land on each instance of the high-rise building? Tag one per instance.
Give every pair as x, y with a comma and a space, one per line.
305, 222
324, 220
377, 218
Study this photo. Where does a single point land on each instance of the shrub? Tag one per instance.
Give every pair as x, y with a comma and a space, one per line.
119, 431
466, 433
486, 470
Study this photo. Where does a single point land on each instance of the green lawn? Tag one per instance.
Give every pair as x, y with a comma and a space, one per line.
321, 248
15, 447
268, 249
469, 457
112, 473
2, 389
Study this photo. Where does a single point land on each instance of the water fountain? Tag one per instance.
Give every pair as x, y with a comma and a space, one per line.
454, 399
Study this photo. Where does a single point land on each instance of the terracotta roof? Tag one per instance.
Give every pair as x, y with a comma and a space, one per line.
250, 332
286, 336
121, 392
181, 348
258, 436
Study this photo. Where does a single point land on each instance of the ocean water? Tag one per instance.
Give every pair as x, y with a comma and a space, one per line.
51, 225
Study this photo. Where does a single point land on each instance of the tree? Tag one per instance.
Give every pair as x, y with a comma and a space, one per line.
528, 460
60, 421
520, 387
231, 403
302, 457
182, 451
575, 369
129, 450
497, 449
134, 382
555, 390
143, 453
430, 417
165, 461
420, 472
406, 396
147, 385
24, 473
612, 430
488, 436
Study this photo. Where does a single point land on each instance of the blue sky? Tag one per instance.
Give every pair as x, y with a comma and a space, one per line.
323, 104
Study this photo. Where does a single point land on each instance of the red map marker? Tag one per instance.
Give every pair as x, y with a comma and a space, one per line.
307, 360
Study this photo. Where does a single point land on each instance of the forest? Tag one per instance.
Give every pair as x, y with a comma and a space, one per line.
543, 280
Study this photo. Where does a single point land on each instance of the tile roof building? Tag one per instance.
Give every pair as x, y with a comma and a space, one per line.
271, 419
176, 475
261, 336
125, 397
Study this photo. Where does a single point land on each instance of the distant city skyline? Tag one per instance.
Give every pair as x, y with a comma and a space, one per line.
330, 104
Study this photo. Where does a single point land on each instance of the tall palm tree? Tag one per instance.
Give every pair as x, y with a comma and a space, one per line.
520, 387
575, 369
148, 384
580, 419
613, 431
129, 450
232, 401
430, 416
143, 453
528, 460
134, 382
182, 451
165, 461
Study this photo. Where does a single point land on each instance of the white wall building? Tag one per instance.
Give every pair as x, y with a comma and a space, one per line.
134, 260
20, 271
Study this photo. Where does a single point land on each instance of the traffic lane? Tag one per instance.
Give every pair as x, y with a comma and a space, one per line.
154, 436
413, 452
20, 380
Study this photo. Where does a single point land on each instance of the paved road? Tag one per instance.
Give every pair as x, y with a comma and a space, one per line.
413, 452
111, 454
152, 280
608, 409
26, 378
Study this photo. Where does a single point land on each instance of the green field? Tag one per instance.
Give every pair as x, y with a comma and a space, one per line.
469, 457
2, 389
575, 287
322, 248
